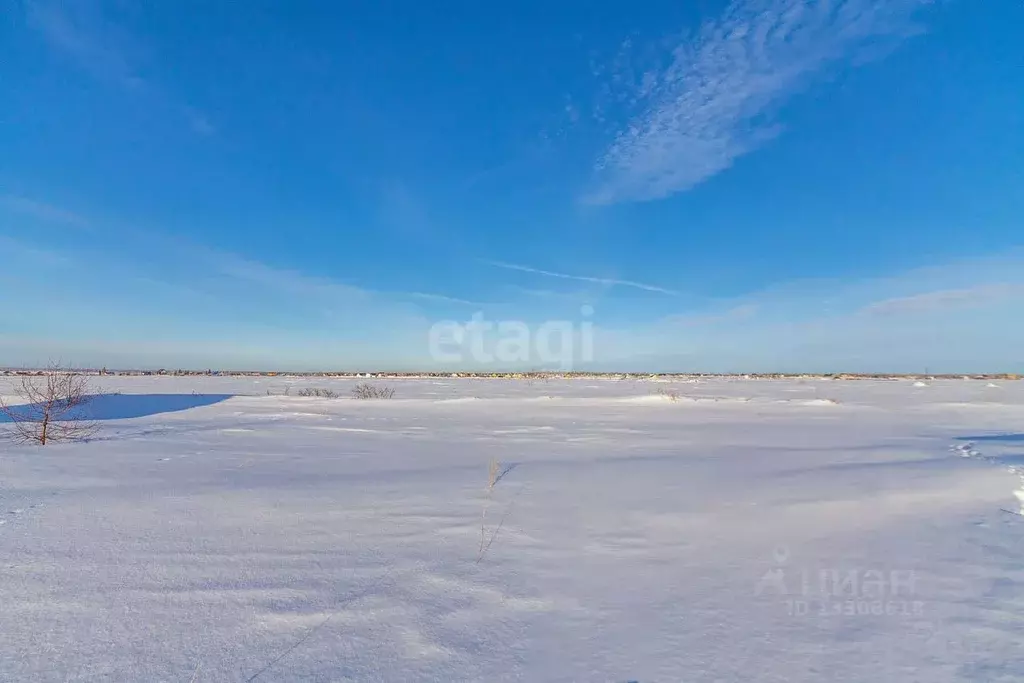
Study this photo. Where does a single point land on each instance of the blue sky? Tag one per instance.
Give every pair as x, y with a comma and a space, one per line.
747, 186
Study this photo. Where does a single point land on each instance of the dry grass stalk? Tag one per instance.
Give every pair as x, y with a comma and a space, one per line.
670, 394
495, 473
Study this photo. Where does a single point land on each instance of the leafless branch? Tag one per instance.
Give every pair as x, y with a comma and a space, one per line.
369, 391
51, 408
312, 392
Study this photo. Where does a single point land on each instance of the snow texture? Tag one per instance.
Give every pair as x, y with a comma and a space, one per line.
772, 531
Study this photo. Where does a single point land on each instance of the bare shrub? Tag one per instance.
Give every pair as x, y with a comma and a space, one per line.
364, 390
670, 394
53, 409
314, 392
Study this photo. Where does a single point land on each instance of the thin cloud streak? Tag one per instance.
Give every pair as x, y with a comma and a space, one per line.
945, 300
199, 121
17, 251
281, 279
83, 32
714, 101
79, 31
200, 262
43, 211
948, 322
580, 296
440, 298
611, 282
738, 313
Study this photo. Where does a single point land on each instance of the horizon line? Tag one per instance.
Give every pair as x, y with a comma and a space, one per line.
411, 374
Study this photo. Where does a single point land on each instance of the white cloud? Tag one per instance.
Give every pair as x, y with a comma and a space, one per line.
713, 102
611, 282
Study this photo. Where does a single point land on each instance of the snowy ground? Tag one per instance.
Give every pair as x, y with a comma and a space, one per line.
768, 531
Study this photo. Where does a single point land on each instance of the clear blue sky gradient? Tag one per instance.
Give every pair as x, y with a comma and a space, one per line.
748, 186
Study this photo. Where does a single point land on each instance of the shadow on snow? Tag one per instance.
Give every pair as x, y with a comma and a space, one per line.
997, 438
126, 406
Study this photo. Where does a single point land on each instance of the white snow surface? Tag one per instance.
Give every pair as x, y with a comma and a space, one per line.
750, 530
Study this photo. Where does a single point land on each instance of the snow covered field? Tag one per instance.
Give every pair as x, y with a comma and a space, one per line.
768, 531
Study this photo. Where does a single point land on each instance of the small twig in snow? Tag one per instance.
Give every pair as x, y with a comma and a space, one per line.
306, 636
284, 654
506, 470
501, 523
495, 473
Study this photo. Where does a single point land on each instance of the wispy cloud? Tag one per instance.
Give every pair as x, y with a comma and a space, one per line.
610, 282
29, 254
280, 279
41, 210
311, 287
961, 316
199, 270
199, 121
945, 300
576, 296
735, 314
713, 101
440, 298
84, 32
81, 31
